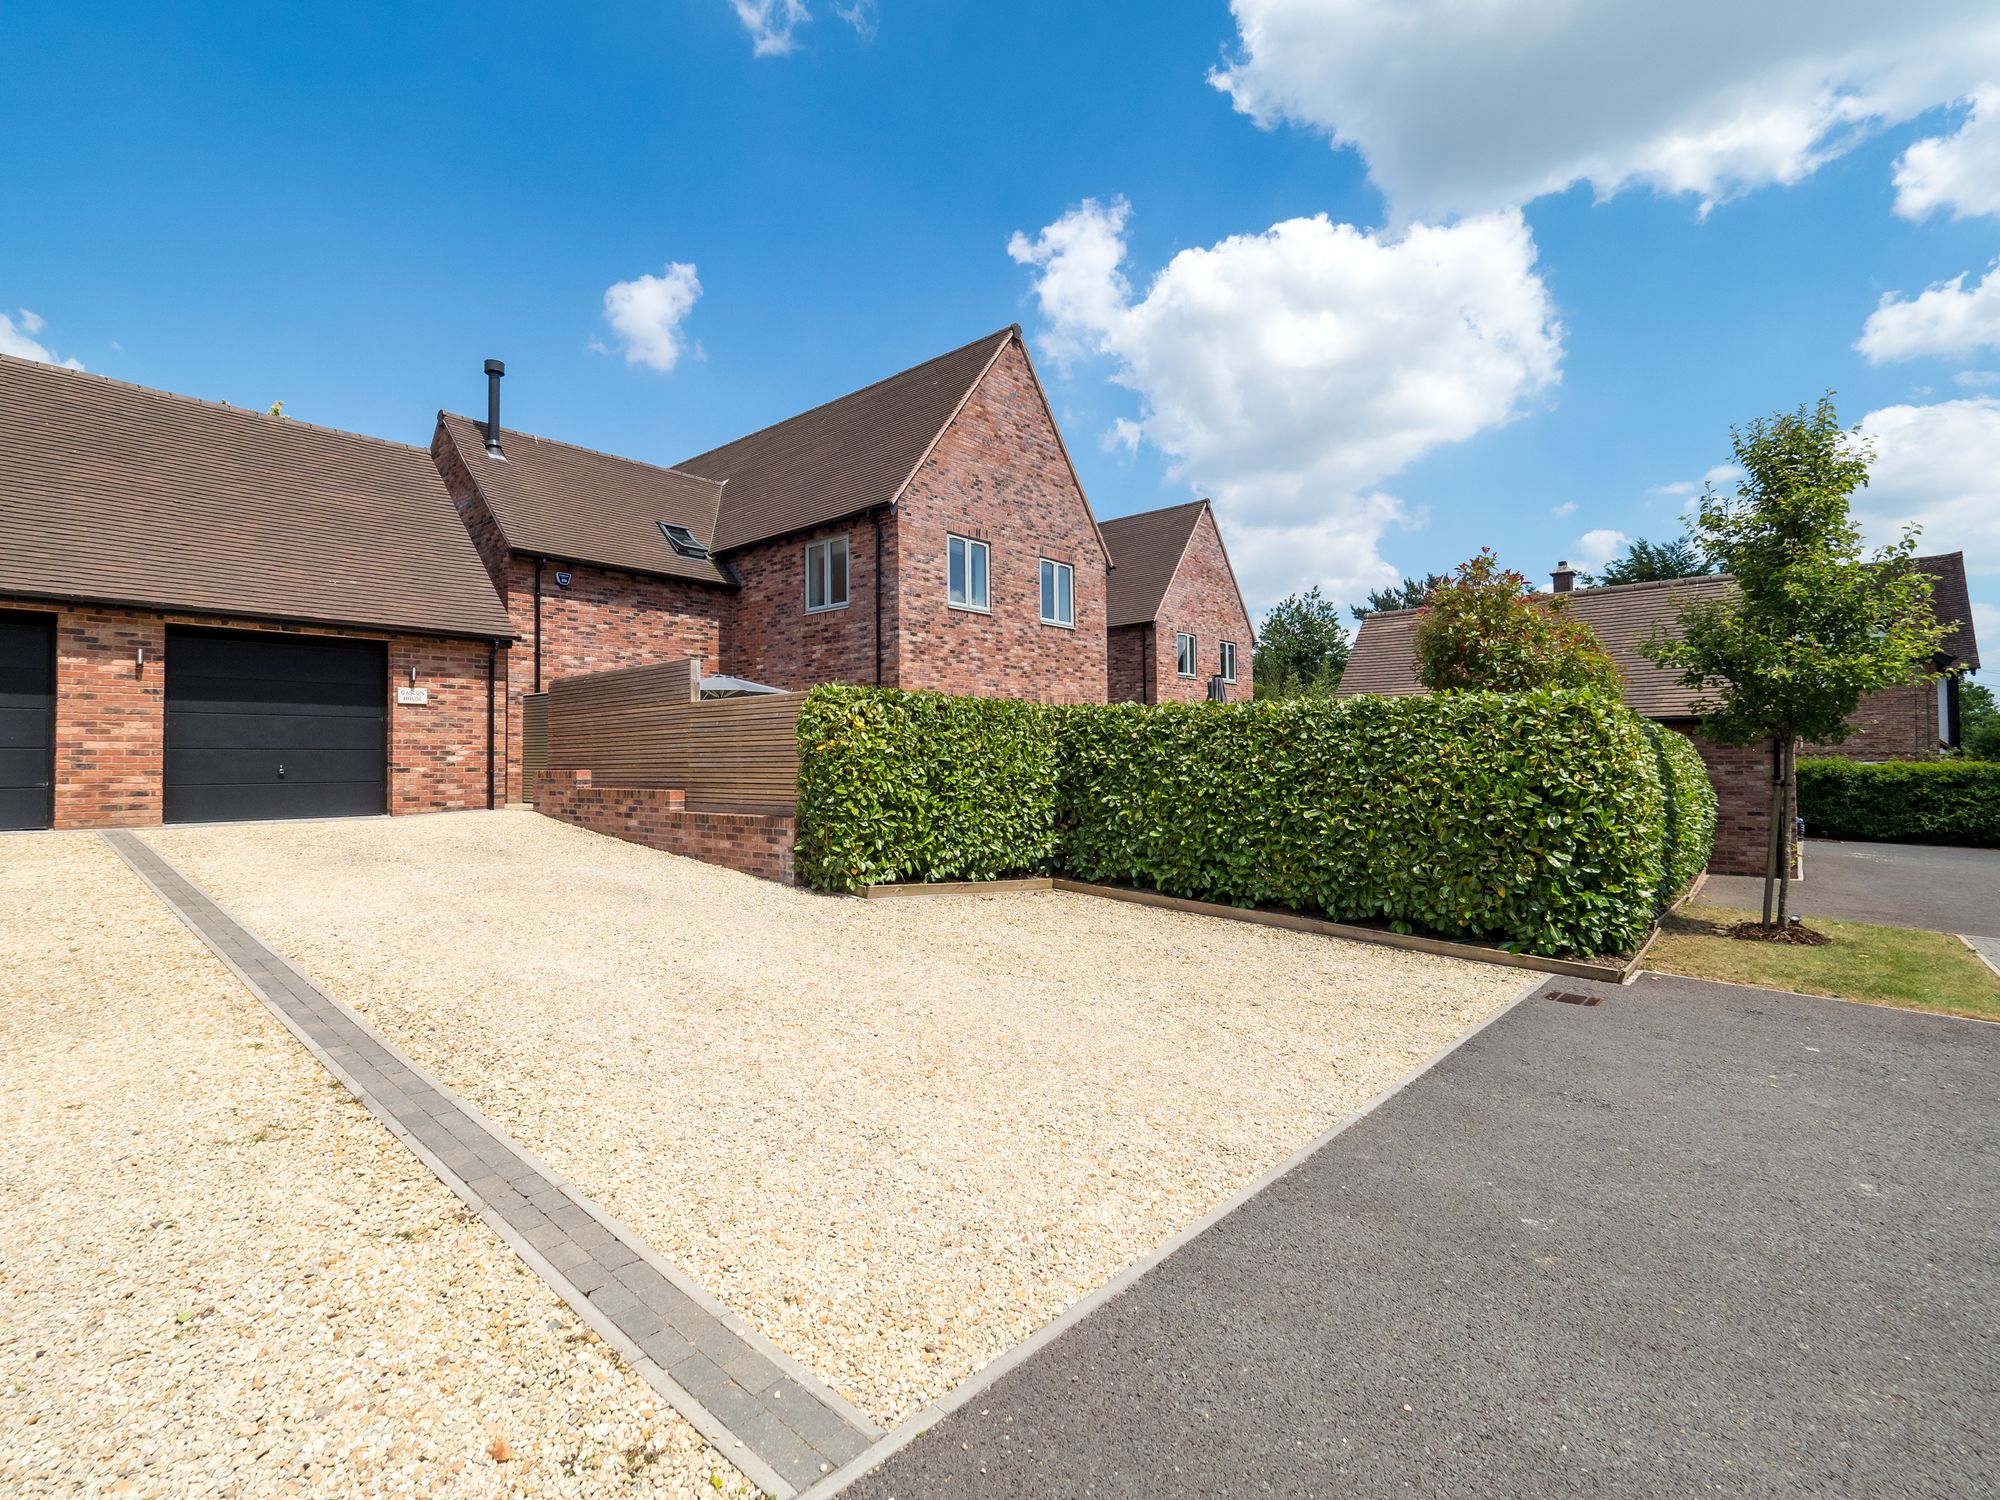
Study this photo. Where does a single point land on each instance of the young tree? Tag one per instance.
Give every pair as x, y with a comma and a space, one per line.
1978, 722
1408, 594
1301, 648
1814, 625
1483, 630
1655, 562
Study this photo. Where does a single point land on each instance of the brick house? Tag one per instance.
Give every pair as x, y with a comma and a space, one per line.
926, 531
1911, 722
211, 613
1175, 615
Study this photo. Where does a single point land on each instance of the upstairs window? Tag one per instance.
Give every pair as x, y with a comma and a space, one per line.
682, 540
1058, 593
1229, 661
966, 564
1184, 655
826, 574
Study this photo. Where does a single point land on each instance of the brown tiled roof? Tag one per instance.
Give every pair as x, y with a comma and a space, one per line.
1383, 659
555, 500
1145, 550
850, 455
117, 494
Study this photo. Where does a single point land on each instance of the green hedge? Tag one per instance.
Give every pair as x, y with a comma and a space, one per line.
1902, 801
1690, 825
920, 786
1535, 819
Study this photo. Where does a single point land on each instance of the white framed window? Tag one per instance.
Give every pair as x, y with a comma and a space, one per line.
826, 574
1058, 593
1229, 661
1184, 655
965, 561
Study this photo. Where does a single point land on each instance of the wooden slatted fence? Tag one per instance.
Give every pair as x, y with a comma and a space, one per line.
648, 727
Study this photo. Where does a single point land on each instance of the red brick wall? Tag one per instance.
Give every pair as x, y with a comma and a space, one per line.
754, 843
999, 475
768, 637
1741, 775
111, 715
1900, 723
1125, 664
1201, 601
470, 504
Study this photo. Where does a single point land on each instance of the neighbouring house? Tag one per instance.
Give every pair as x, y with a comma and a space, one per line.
1176, 618
1919, 720
212, 613
926, 531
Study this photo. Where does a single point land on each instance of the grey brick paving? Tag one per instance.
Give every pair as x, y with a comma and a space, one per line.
746, 1398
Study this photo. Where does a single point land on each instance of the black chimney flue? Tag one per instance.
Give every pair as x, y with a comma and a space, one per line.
494, 370
1564, 577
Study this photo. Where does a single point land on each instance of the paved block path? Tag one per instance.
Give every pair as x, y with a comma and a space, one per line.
761, 1410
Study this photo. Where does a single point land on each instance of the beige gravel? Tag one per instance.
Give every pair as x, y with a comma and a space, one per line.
219, 1275
896, 1136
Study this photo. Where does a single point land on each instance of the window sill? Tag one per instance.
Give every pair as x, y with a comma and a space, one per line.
969, 609
826, 609
1060, 624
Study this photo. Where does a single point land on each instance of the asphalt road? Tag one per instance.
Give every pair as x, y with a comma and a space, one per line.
1696, 1240
1901, 885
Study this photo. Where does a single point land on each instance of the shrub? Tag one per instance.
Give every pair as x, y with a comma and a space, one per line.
921, 786
1539, 819
1690, 816
1535, 819
1902, 801
1481, 631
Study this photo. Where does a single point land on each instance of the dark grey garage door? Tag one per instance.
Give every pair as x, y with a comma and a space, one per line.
27, 720
272, 726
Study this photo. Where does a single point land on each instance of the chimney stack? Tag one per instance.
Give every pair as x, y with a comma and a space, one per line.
1564, 576
494, 370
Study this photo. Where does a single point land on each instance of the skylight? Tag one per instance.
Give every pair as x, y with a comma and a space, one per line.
682, 540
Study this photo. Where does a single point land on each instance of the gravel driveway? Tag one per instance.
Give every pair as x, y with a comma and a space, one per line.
219, 1275
895, 1136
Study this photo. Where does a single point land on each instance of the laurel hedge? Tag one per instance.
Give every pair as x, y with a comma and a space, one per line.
1690, 825
1902, 801
1540, 820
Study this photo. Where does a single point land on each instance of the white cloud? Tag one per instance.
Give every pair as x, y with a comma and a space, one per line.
1464, 108
17, 339
1289, 373
1596, 548
1959, 172
1945, 319
1721, 474
1976, 380
646, 314
1567, 508
860, 15
1678, 487
771, 24
1938, 465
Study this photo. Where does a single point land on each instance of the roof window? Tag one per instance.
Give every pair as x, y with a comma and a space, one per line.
682, 540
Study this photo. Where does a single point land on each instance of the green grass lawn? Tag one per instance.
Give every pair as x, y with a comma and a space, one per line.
1888, 965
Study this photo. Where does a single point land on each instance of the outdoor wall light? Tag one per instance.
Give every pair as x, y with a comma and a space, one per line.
413, 676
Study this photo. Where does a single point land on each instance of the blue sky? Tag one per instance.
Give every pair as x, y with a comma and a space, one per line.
1564, 247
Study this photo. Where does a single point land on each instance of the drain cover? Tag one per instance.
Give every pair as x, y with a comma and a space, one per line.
1572, 997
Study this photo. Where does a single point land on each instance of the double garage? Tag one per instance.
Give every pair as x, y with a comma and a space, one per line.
255, 725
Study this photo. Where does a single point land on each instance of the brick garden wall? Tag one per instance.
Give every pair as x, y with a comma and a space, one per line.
1201, 601
1741, 775
658, 817
999, 475
111, 715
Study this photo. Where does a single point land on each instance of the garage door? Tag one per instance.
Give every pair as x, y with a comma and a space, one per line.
27, 720
271, 726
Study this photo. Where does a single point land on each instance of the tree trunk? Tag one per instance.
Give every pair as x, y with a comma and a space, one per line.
1772, 842
1787, 840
